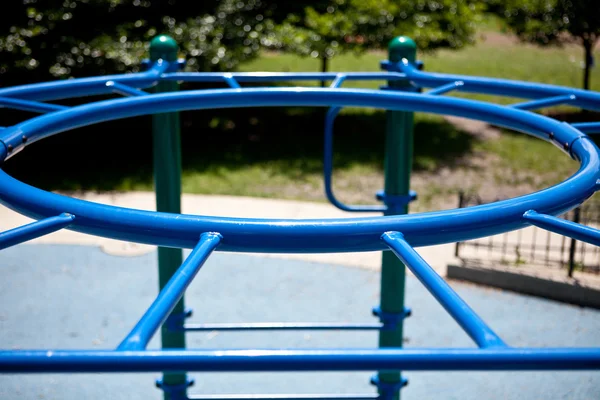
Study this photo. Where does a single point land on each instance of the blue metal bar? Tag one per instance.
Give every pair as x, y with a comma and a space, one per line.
501, 87
328, 166
301, 236
28, 105
230, 80
292, 396
563, 227
282, 326
548, 102
263, 77
587, 127
34, 230
124, 90
471, 323
168, 297
71, 88
221, 360
446, 88
338, 81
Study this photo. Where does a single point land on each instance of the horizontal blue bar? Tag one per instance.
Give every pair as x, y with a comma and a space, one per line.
34, 230
446, 88
71, 88
435, 359
282, 326
294, 396
28, 105
125, 90
472, 324
587, 127
548, 102
255, 77
500, 87
563, 227
168, 297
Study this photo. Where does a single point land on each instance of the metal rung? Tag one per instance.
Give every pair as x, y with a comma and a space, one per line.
29, 105
338, 81
125, 90
295, 396
446, 88
563, 227
284, 326
34, 230
168, 297
547, 102
587, 127
230, 80
471, 323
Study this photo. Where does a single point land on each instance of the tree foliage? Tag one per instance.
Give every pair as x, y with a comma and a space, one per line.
553, 22
327, 28
46, 39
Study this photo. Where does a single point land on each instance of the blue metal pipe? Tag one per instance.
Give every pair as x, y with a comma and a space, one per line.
230, 80
587, 127
28, 105
34, 230
435, 359
547, 102
361, 234
124, 90
563, 227
501, 87
264, 77
282, 326
446, 88
328, 166
291, 396
471, 323
71, 88
168, 297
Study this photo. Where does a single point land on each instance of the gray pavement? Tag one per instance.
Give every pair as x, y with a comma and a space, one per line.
69, 296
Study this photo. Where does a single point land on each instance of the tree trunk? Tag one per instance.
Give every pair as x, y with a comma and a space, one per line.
324, 67
588, 45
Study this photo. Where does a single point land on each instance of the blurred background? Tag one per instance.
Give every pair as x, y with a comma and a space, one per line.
278, 152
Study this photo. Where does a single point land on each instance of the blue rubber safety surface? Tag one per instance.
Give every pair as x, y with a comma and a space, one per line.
69, 297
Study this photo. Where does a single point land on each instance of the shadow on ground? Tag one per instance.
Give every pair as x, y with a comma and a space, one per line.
118, 154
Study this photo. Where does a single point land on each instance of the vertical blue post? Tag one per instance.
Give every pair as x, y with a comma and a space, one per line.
167, 180
398, 164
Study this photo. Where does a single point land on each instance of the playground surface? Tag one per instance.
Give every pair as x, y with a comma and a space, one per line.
69, 290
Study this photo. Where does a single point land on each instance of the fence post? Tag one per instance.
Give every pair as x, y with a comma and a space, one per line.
576, 218
167, 180
398, 165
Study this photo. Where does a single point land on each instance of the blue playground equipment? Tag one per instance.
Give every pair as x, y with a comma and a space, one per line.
394, 231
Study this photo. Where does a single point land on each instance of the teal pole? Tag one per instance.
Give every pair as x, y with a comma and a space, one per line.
398, 164
167, 181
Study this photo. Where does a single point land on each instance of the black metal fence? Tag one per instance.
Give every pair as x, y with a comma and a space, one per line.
535, 246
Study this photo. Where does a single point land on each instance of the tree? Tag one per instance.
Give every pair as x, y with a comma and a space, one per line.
555, 22
327, 28
42, 40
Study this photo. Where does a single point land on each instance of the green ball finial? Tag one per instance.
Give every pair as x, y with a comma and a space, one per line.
163, 47
402, 47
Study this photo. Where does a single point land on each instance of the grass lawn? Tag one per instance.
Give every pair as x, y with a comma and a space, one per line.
278, 152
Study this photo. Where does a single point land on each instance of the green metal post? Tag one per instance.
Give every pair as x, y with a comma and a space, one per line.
398, 164
167, 180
